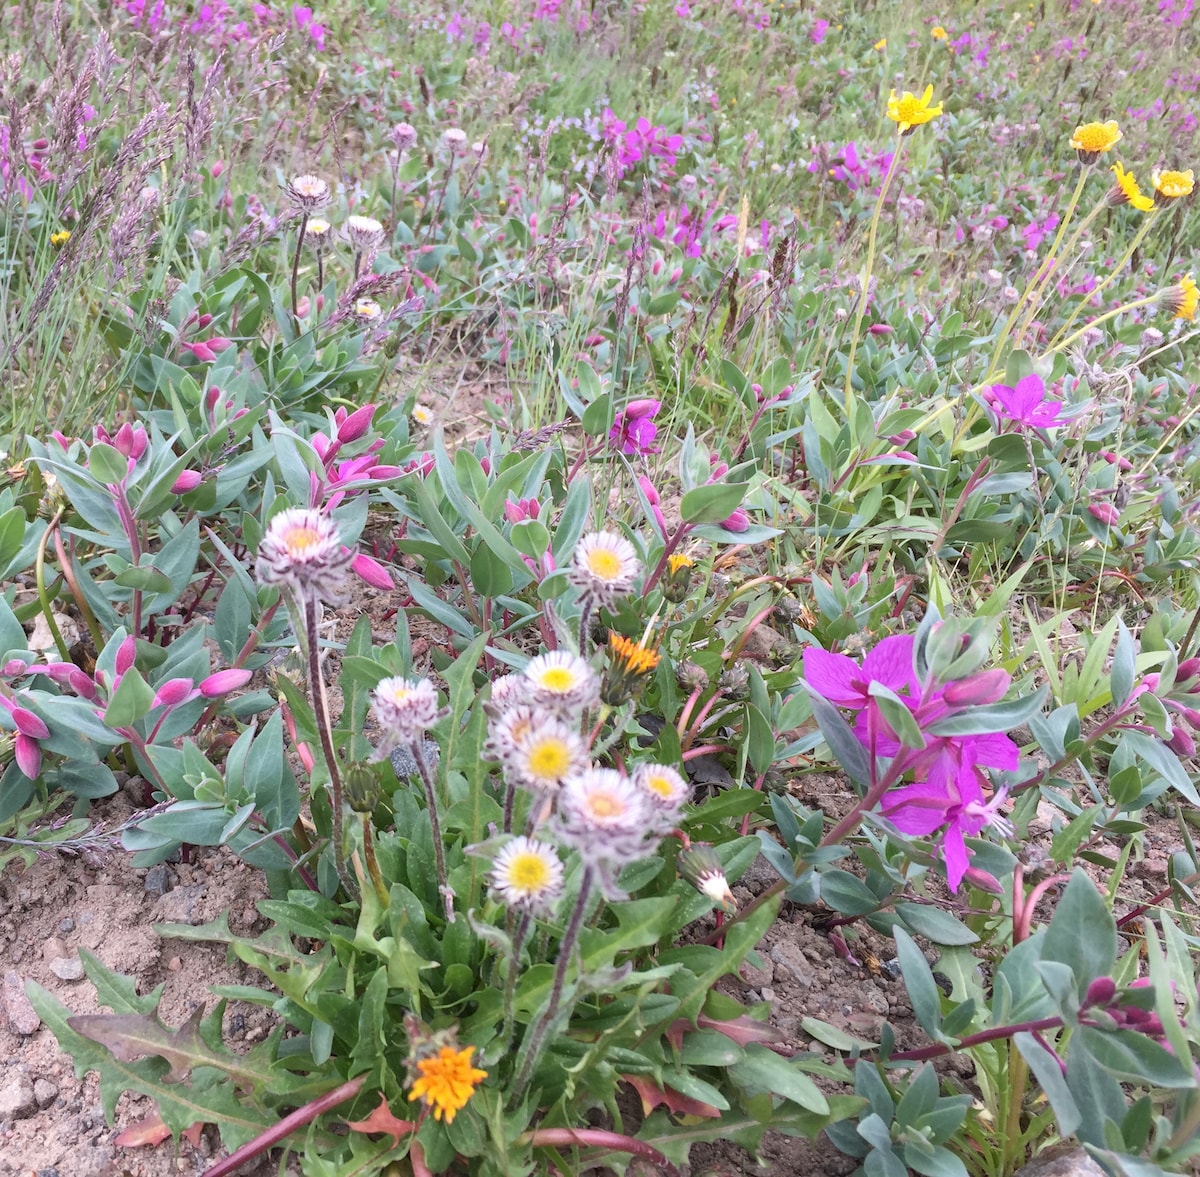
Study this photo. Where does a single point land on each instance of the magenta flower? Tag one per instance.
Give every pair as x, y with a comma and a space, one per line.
843, 682
923, 808
634, 430
1026, 404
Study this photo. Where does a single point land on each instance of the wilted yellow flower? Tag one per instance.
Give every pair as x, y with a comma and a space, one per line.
1170, 186
1093, 139
1126, 191
909, 112
1182, 299
447, 1081
938, 33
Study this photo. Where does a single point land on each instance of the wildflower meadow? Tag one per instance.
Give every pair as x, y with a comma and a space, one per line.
596, 586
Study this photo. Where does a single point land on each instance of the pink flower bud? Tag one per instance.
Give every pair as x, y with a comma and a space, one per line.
1188, 668
522, 509
1105, 512
675, 275
1181, 742
352, 427
28, 756
383, 473
29, 724
739, 521
982, 880
126, 653
988, 686
187, 481
879, 329
219, 343
204, 320
224, 681
211, 396
1100, 992
174, 692
372, 572
202, 352
217, 169
14, 667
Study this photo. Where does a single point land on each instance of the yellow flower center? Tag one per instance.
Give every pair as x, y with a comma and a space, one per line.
301, 539
605, 805
529, 873
1096, 137
549, 758
604, 564
399, 695
661, 785
558, 679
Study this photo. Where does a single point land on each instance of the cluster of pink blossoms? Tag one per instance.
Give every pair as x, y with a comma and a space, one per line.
948, 790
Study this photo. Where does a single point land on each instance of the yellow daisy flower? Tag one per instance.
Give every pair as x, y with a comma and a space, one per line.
881, 44
60, 238
938, 33
1182, 299
1170, 186
1092, 140
909, 112
1126, 191
447, 1081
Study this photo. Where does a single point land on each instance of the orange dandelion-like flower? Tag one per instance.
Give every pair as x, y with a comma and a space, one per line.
447, 1081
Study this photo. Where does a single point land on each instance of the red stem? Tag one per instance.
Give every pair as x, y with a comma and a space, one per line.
277, 1132
597, 1138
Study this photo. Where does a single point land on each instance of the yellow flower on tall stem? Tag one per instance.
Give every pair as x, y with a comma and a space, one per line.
909, 112
1125, 190
1092, 140
1170, 186
1182, 299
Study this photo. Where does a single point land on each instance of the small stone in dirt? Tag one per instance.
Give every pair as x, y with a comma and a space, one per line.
174, 964
159, 879
179, 906
21, 1015
789, 958
1061, 1162
53, 948
45, 1092
67, 968
65, 925
755, 977
16, 1098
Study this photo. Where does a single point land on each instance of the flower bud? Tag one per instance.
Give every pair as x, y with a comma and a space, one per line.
1100, 992
352, 426
224, 681
986, 686
372, 572
362, 788
699, 864
1106, 513
29, 724
678, 578
187, 481
126, 653
174, 692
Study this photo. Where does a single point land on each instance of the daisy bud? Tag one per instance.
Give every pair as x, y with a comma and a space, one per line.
699, 864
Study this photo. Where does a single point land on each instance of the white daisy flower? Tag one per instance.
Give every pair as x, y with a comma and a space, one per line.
563, 681
544, 757
364, 232
302, 550
527, 874
604, 816
604, 566
308, 192
405, 709
664, 788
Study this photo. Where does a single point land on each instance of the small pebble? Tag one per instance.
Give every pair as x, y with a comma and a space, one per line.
174, 964
53, 948
66, 925
44, 1092
16, 1097
21, 1015
67, 968
159, 879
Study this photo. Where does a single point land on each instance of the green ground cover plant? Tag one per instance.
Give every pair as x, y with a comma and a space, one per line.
868, 332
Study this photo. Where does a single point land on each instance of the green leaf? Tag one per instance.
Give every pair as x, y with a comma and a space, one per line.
1163, 761
531, 538
712, 503
1082, 933
1136, 1058
846, 893
918, 980
1047, 1070
936, 925
763, 1070
598, 416
994, 717
133, 699
842, 741
107, 464
899, 717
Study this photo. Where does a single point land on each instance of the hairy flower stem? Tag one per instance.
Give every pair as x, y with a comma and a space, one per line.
320, 700
510, 980
435, 826
373, 862
865, 294
296, 263
536, 1037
